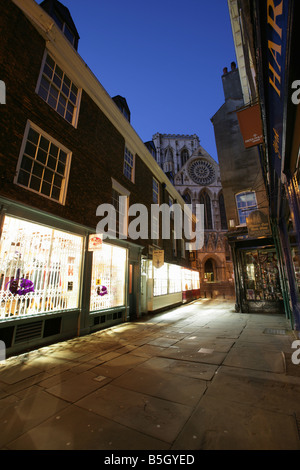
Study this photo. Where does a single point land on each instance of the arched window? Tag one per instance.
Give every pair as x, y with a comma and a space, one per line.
205, 200
168, 155
246, 203
209, 274
187, 198
222, 212
184, 156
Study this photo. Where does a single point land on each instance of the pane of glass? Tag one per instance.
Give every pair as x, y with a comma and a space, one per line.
30, 149
43, 93
66, 90
45, 84
54, 150
54, 92
33, 136
52, 101
63, 156
57, 181
70, 107
69, 117
50, 61
46, 189
35, 183
37, 170
59, 71
48, 71
57, 80
26, 164
23, 178
61, 110
51, 163
55, 193
48, 175
60, 168
63, 100
73, 98
44, 144
41, 156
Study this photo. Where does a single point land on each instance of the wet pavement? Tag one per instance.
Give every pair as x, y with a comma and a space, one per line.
198, 377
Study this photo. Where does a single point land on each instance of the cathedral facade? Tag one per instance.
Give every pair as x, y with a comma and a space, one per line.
196, 176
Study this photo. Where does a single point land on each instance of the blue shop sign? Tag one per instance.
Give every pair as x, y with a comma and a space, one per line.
277, 18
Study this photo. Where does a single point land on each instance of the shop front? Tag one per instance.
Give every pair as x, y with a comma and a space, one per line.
167, 286
51, 286
261, 289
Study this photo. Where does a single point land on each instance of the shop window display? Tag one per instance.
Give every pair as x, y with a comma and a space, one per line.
108, 277
261, 276
39, 269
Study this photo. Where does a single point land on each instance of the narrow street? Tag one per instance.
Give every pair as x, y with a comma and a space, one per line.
197, 377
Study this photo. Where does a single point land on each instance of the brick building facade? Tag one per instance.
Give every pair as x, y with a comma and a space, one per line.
65, 150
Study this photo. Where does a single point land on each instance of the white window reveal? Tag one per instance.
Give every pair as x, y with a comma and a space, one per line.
43, 165
39, 269
58, 90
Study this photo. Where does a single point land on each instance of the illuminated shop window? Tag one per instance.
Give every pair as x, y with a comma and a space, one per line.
160, 280
108, 277
187, 283
174, 278
39, 269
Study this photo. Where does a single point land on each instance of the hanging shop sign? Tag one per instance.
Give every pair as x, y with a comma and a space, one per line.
251, 126
158, 258
276, 19
258, 225
95, 242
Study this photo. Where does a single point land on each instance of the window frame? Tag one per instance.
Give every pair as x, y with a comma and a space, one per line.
154, 180
248, 209
119, 189
76, 106
65, 179
126, 164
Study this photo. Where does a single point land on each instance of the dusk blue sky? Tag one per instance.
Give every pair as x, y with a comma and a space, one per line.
166, 57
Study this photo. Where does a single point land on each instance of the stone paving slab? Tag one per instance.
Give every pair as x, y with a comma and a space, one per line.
26, 414
155, 417
182, 368
255, 358
263, 391
159, 383
78, 429
220, 425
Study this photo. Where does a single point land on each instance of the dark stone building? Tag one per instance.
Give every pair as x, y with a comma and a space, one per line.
256, 270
